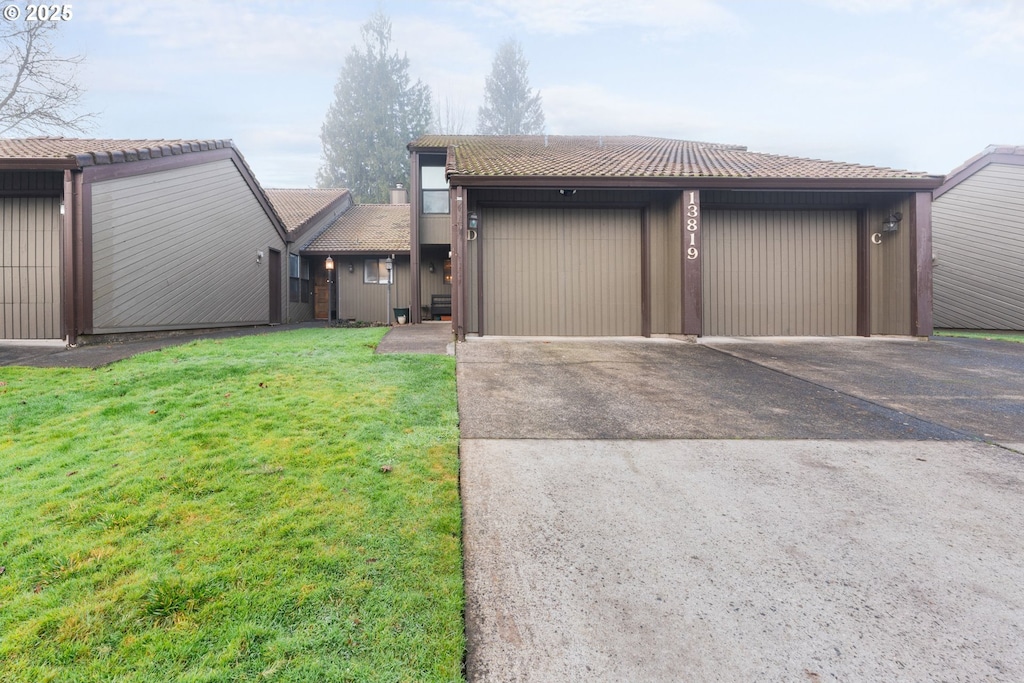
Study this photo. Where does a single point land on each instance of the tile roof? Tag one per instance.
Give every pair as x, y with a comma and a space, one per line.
366, 228
632, 157
87, 152
297, 206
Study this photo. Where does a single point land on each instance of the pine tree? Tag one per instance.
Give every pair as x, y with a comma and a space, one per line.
376, 112
510, 107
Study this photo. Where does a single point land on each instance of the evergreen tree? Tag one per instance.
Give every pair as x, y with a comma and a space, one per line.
510, 107
376, 112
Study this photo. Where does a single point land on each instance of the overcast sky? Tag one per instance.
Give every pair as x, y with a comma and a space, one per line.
916, 84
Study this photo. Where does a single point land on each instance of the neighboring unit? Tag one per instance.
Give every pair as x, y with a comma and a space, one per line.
307, 213
978, 226
556, 235
107, 237
369, 247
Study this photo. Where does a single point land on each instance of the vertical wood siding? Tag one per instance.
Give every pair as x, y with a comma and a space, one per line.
368, 302
890, 271
30, 257
177, 249
573, 272
666, 269
779, 272
978, 241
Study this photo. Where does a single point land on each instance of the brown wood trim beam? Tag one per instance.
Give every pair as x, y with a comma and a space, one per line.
692, 266
677, 183
460, 247
83, 258
863, 275
921, 264
67, 279
416, 293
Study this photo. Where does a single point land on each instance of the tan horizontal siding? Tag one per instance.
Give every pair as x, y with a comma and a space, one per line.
978, 242
178, 249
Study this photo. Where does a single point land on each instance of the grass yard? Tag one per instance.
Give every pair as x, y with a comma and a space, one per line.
1017, 337
280, 507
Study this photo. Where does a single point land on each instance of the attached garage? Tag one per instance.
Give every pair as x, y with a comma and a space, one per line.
625, 236
564, 272
780, 273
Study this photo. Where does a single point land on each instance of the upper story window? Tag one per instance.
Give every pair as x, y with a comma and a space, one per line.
434, 187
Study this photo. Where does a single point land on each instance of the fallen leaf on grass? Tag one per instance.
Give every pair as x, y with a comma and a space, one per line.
2, 570
152, 412
385, 468
71, 473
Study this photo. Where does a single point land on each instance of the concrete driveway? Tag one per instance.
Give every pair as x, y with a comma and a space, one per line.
652, 510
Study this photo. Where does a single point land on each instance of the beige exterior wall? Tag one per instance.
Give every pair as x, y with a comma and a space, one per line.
978, 229
435, 228
364, 302
775, 272
30, 268
178, 249
890, 270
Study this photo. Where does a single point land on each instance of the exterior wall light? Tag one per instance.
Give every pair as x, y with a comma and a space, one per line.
892, 223
259, 257
430, 267
351, 268
567, 193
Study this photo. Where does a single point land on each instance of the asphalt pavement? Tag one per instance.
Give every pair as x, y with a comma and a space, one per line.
738, 510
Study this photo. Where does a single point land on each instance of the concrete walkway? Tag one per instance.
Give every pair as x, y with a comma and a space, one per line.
650, 510
429, 337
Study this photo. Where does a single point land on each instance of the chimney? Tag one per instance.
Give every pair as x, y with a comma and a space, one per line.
399, 195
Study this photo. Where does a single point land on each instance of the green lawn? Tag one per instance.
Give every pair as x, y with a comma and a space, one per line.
1017, 337
281, 507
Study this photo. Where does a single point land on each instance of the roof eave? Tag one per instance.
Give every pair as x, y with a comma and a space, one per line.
974, 165
926, 183
38, 164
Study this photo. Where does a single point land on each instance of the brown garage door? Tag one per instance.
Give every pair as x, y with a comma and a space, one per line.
30, 297
779, 273
567, 272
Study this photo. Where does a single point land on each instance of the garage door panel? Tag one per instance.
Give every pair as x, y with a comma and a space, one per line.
780, 273
561, 272
30, 300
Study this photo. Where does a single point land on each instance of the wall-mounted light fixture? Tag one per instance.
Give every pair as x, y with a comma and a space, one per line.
567, 193
892, 222
430, 267
351, 268
259, 257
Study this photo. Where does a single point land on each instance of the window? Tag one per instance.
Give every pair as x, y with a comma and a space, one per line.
448, 271
435, 189
298, 279
375, 272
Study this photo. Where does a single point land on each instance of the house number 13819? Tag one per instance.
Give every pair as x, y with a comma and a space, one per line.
692, 225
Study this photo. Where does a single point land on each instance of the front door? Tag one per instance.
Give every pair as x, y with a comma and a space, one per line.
321, 295
275, 287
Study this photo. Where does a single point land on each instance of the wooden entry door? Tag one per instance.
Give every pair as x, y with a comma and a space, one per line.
321, 296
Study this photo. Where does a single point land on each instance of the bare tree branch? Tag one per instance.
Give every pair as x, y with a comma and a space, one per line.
39, 91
